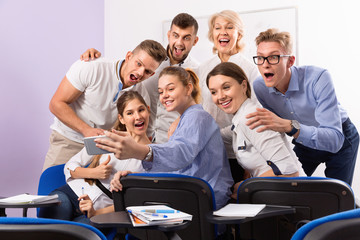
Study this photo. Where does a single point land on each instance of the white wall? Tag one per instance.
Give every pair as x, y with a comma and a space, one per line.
328, 36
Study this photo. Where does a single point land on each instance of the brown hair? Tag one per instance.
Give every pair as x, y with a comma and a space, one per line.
232, 17
184, 20
232, 70
274, 35
185, 76
122, 102
153, 48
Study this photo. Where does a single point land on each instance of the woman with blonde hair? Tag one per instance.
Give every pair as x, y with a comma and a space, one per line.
226, 31
195, 148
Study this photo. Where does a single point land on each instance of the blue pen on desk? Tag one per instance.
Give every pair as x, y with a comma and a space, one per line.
160, 211
155, 214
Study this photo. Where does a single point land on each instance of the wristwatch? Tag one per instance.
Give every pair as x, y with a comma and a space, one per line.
148, 155
295, 127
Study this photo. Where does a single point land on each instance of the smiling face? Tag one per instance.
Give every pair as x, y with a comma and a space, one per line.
135, 117
225, 37
137, 67
227, 93
278, 75
173, 94
180, 43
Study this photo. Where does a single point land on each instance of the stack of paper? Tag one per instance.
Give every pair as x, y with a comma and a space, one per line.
27, 198
156, 215
239, 210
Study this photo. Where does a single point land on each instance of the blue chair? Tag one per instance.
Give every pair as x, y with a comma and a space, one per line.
44, 229
312, 197
188, 194
344, 225
53, 178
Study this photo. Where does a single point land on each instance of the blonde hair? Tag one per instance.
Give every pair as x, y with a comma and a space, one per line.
185, 76
274, 35
233, 18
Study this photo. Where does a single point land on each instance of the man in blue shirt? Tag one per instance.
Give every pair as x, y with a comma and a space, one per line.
303, 104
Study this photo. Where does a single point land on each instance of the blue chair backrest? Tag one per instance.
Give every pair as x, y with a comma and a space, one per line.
42, 228
52, 178
345, 230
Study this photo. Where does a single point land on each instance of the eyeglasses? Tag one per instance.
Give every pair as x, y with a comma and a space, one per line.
272, 59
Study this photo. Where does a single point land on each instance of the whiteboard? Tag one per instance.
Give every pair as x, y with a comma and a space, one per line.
285, 19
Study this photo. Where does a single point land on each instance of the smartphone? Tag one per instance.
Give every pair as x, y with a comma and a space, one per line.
91, 147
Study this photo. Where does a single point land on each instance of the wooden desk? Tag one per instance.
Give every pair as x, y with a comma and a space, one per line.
25, 206
268, 211
122, 220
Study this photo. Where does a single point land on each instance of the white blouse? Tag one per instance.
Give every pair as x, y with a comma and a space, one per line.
78, 185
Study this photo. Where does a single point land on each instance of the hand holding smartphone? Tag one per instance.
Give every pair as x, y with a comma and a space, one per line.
91, 147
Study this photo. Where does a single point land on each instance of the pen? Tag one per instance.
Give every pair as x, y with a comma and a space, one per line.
155, 214
160, 211
82, 192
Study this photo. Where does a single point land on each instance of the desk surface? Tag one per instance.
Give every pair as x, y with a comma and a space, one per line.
30, 205
25, 206
268, 211
121, 219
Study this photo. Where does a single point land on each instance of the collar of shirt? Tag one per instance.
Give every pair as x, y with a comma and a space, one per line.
293, 84
118, 66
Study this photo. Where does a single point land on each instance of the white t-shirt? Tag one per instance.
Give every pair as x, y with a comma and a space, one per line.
99, 198
254, 149
96, 106
223, 119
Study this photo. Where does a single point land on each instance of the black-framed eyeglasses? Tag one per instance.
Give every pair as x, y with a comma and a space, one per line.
272, 59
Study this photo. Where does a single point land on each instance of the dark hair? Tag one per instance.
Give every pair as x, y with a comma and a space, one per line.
122, 102
153, 48
185, 76
184, 20
232, 70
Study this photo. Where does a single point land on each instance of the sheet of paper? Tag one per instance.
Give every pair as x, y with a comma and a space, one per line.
27, 198
239, 210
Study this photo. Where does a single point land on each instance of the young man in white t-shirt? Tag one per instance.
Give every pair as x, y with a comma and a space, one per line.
84, 104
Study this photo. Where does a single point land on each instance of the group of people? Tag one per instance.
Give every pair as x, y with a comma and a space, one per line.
173, 115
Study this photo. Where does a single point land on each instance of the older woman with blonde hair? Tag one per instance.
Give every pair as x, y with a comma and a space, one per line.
226, 31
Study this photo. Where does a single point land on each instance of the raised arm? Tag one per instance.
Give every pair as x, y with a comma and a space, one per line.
59, 106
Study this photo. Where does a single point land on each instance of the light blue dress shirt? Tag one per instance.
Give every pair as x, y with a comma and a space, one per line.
195, 149
311, 100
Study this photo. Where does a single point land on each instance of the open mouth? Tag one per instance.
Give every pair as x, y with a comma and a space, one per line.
178, 51
168, 103
223, 42
139, 124
133, 78
268, 75
225, 104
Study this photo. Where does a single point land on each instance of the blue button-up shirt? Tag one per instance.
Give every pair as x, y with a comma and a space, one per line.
311, 100
195, 149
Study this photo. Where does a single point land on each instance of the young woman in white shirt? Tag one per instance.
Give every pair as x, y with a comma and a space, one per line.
262, 154
81, 188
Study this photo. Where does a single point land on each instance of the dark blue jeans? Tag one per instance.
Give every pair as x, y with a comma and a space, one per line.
68, 209
339, 165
